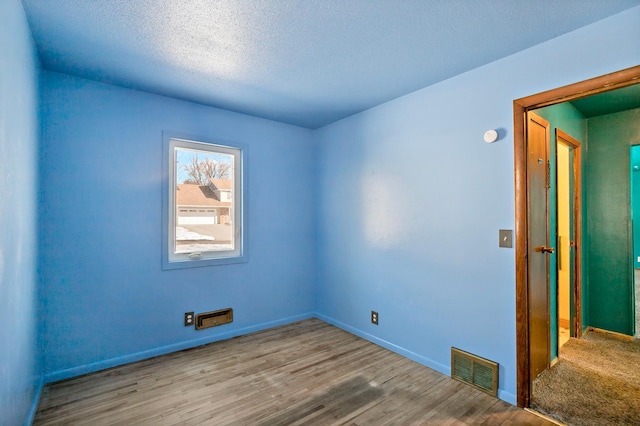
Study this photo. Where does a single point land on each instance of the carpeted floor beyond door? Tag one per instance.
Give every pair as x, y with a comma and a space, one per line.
595, 382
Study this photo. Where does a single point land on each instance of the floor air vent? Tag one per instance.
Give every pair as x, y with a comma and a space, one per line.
213, 319
478, 372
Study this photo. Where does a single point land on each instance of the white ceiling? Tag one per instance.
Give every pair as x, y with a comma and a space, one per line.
304, 62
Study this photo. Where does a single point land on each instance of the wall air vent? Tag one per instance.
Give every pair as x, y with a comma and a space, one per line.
214, 318
476, 371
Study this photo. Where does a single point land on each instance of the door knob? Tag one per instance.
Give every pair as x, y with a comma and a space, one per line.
544, 249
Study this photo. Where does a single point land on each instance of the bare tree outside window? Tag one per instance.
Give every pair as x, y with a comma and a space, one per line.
201, 171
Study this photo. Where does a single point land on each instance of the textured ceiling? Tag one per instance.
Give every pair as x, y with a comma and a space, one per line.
304, 62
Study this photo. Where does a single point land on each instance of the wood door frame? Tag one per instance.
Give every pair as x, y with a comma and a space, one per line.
568, 140
585, 88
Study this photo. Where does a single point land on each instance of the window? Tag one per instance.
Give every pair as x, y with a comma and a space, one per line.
203, 218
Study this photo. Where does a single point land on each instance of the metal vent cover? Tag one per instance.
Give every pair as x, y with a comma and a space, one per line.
474, 370
214, 318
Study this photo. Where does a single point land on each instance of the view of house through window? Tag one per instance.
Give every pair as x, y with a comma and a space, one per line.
204, 212
204, 194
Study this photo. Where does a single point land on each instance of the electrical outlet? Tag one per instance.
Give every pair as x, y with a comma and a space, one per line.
188, 318
374, 317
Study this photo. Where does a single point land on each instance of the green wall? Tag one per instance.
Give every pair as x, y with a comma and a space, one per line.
566, 117
609, 243
635, 202
607, 279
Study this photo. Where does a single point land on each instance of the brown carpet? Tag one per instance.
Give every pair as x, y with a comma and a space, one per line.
596, 382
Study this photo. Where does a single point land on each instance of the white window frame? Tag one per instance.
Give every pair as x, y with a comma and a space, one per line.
173, 260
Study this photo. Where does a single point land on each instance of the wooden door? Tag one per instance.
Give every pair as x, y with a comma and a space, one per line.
538, 242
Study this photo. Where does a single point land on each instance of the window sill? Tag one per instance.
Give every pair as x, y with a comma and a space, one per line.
190, 263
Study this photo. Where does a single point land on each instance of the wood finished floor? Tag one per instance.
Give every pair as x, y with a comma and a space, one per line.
307, 373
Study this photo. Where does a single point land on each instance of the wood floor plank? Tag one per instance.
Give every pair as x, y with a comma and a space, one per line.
307, 373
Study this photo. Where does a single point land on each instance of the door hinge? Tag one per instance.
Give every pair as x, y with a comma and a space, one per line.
548, 174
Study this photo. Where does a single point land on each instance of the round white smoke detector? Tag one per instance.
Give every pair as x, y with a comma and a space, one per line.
490, 136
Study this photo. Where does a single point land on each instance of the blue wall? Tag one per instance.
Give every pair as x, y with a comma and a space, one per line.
411, 200
19, 355
395, 209
107, 300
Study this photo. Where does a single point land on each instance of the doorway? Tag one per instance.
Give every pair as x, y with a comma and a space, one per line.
569, 235
524, 250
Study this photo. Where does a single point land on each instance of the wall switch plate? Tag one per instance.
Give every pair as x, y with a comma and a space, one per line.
374, 317
505, 238
188, 318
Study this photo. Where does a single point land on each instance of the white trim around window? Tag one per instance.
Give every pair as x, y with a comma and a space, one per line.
219, 237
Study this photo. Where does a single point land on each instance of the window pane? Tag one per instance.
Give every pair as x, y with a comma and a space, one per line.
204, 212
